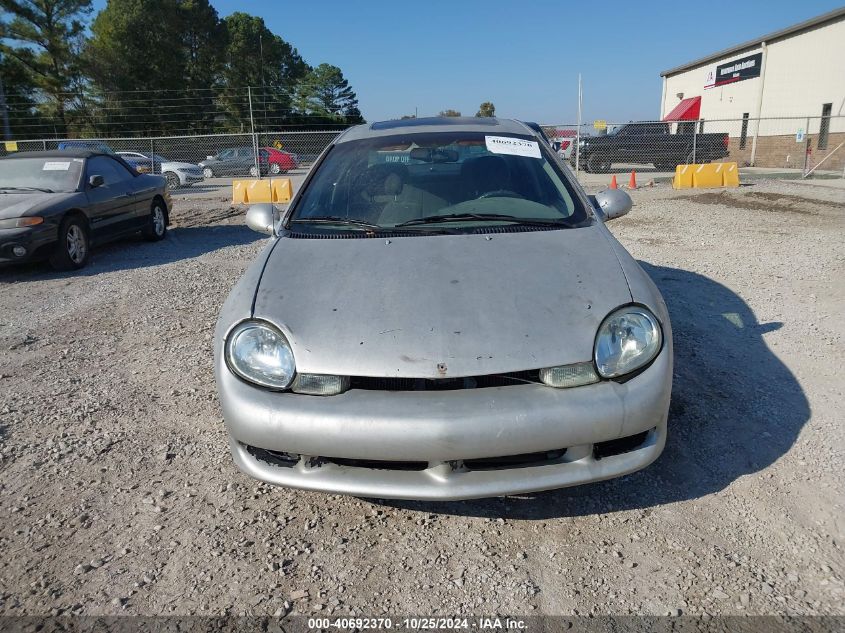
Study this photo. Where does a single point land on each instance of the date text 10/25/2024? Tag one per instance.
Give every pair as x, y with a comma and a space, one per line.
418, 623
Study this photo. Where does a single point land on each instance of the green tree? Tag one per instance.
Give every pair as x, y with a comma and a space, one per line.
154, 65
202, 36
325, 92
44, 37
136, 65
22, 105
449, 113
258, 58
486, 109
203, 40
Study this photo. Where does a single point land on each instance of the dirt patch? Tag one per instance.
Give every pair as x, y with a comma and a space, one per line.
763, 201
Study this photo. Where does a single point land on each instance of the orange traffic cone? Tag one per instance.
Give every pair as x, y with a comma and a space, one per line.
632, 184
613, 184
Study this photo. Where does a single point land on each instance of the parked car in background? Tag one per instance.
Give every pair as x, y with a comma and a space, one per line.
484, 334
279, 162
235, 161
58, 204
94, 146
651, 143
175, 173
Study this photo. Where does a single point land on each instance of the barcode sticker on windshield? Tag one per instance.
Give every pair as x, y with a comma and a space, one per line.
514, 146
56, 166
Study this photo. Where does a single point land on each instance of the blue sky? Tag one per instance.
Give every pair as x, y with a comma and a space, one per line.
523, 56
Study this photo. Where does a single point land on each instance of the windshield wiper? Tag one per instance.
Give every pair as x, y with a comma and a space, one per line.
331, 219
484, 217
27, 189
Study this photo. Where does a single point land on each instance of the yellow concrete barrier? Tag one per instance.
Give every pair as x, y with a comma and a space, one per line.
730, 175
683, 177
706, 176
254, 191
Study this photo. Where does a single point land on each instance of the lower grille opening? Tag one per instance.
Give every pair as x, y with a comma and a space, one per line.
515, 461
619, 446
376, 464
274, 458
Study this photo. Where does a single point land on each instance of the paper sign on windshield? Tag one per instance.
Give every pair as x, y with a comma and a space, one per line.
56, 166
513, 146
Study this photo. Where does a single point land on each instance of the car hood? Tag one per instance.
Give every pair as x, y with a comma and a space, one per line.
175, 165
441, 306
14, 205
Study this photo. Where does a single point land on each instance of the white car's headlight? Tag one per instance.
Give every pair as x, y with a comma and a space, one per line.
628, 338
259, 353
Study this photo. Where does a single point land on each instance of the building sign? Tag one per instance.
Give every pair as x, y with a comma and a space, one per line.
737, 70
600, 124
799, 135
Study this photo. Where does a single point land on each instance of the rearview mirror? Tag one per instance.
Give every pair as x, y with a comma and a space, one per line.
96, 181
437, 155
612, 203
262, 218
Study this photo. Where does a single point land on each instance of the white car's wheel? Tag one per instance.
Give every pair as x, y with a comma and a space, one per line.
173, 181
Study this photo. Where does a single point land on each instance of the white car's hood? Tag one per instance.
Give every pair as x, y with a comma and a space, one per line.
441, 306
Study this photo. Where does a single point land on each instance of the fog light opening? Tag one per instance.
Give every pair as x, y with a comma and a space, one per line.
19, 251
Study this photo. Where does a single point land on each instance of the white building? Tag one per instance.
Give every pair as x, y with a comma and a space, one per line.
792, 81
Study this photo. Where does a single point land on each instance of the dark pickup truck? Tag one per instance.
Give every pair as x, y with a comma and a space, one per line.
650, 143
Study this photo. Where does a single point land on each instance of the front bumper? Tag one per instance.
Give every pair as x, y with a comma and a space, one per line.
35, 240
189, 178
361, 442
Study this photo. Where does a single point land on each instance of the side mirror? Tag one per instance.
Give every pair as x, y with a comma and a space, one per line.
262, 218
612, 204
96, 181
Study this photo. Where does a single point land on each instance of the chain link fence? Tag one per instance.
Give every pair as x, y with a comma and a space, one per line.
804, 144
210, 160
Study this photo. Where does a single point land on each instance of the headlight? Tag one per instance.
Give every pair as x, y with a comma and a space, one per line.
18, 223
627, 339
259, 353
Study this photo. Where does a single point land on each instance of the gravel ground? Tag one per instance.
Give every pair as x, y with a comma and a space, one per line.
119, 495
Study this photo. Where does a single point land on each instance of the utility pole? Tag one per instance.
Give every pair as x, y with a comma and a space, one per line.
254, 137
578, 131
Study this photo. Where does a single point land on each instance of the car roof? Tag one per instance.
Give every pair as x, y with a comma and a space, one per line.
60, 153
488, 125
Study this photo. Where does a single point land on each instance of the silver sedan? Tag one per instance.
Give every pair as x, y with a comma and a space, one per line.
441, 313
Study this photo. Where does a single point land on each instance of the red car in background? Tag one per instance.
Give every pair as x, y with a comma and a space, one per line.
279, 161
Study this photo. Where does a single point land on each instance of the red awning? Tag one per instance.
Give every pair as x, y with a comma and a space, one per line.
686, 110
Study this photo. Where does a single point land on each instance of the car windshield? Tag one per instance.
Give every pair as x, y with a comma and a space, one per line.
448, 181
51, 173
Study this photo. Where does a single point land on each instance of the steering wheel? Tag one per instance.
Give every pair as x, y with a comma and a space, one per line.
501, 193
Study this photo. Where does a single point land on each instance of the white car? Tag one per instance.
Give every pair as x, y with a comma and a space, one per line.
177, 174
